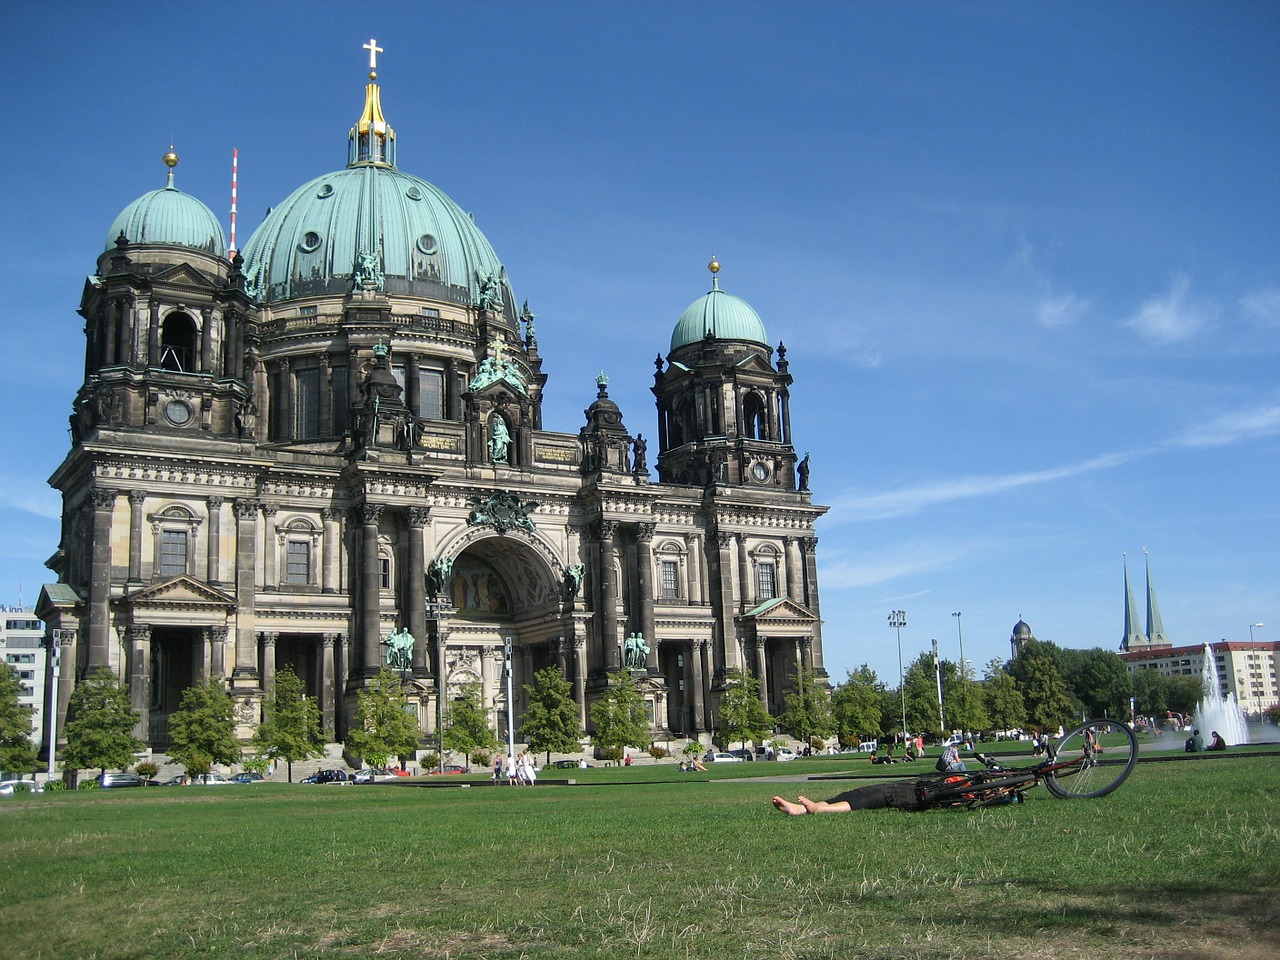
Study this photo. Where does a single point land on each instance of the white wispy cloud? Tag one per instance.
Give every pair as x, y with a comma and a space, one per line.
900, 560
1061, 310
1235, 426
1262, 306
1173, 316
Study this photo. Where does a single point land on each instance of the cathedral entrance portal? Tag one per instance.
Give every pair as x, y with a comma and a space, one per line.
175, 666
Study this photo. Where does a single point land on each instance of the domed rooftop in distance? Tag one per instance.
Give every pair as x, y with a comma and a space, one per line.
370, 219
720, 314
169, 216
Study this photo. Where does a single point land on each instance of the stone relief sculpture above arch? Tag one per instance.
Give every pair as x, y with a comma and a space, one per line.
529, 563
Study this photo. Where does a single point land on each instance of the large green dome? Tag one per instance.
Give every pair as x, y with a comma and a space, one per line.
722, 315
423, 242
169, 216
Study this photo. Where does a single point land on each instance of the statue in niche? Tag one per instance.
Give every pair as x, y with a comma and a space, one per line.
802, 468
499, 440
439, 572
573, 575
368, 274
635, 652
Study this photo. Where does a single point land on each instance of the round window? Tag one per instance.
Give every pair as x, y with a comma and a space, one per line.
760, 471
326, 190
427, 244
178, 412
310, 242
413, 193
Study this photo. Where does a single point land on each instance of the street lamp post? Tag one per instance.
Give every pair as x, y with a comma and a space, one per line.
1251, 626
898, 620
937, 676
960, 634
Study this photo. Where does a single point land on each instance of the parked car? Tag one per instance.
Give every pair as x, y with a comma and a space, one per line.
121, 780
721, 757
248, 776
372, 775
784, 753
181, 780
568, 764
209, 780
449, 770
327, 776
21, 785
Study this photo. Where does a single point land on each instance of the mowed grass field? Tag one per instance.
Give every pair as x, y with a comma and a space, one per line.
1182, 861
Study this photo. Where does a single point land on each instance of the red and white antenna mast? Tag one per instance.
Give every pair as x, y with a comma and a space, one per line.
235, 164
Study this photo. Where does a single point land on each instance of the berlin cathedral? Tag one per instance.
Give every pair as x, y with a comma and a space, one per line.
295, 453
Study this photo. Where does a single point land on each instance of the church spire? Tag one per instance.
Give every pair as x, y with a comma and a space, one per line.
1155, 627
372, 140
1132, 634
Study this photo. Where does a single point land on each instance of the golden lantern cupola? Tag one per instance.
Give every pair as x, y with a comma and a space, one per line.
372, 140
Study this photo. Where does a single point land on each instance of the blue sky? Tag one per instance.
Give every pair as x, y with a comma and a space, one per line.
1024, 257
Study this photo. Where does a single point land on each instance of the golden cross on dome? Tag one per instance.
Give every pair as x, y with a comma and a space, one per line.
374, 50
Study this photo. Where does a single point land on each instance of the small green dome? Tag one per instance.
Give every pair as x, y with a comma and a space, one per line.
421, 241
169, 216
722, 315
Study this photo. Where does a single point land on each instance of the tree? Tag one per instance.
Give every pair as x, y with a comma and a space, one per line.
807, 711
963, 699
291, 729
1049, 704
742, 715
857, 707
467, 728
921, 688
1003, 699
100, 724
17, 751
1100, 681
618, 718
202, 731
550, 720
382, 727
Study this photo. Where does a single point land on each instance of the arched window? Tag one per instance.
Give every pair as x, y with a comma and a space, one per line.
755, 423
178, 343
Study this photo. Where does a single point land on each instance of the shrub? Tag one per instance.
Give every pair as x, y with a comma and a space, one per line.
658, 752
430, 760
55, 785
147, 769
481, 758
90, 784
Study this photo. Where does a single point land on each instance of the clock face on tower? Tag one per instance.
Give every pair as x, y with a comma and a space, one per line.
760, 471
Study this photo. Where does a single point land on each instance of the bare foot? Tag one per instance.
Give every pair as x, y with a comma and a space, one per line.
787, 807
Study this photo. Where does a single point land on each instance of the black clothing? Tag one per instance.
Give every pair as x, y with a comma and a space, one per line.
903, 795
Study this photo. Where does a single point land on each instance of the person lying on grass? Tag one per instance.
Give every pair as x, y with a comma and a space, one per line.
902, 795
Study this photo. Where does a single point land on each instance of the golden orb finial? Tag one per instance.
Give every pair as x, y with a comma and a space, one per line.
170, 158
714, 265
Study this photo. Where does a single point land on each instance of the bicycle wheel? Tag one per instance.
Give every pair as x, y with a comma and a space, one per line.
1092, 760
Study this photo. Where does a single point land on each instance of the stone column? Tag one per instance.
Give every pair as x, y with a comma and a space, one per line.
109, 335
693, 572
104, 501
412, 386
140, 678
745, 591
580, 679
786, 416
762, 671
128, 317
136, 500
329, 550
644, 562
698, 685
246, 668
453, 409
795, 570
271, 545
722, 596
609, 596
213, 547
153, 334
217, 639
811, 590
370, 586
328, 680
416, 592
206, 341
326, 397
287, 425
269, 663
66, 677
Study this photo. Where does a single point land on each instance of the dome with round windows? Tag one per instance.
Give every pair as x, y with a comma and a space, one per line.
720, 315
402, 227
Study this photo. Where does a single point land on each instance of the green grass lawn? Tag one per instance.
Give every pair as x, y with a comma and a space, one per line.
1182, 861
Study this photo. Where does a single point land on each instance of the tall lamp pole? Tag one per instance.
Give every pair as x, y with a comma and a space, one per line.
960, 634
1251, 626
937, 676
898, 620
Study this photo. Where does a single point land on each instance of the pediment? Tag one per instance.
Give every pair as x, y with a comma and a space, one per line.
182, 274
180, 591
756, 364
779, 611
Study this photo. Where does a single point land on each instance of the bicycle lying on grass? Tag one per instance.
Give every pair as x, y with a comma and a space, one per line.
1088, 761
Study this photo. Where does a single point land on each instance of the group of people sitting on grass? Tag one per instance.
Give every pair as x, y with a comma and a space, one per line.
1195, 742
